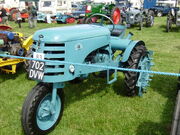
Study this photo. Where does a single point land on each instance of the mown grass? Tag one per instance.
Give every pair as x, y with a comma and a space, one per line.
95, 108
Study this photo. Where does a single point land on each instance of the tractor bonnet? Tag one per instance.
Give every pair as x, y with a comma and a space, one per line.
70, 33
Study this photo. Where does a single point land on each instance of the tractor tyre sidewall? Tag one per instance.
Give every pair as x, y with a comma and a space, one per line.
131, 78
29, 110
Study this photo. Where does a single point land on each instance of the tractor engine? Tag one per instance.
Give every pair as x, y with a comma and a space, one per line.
10, 43
98, 56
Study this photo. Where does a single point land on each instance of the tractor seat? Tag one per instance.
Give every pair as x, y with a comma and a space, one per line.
117, 32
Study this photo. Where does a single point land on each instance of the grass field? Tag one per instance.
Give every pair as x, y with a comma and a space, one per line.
95, 108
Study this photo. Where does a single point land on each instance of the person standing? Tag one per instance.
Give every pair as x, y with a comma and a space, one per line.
18, 17
3, 15
32, 11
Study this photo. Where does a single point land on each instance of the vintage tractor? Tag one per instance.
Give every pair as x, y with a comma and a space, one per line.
73, 52
110, 10
173, 18
139, 17
13, 43
64, 18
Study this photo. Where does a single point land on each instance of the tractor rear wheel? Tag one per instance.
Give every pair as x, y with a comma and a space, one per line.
37, 116
150, 20
136, 61
116, 15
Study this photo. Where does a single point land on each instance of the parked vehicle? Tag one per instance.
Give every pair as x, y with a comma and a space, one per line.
41, 17
161, 9
79, 12
139, 17
110, 10
173, 18
12, 14
13, 43
64, 18
86, 44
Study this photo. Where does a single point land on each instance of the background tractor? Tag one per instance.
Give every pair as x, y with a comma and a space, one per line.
65, 18
139, 17
73, 52
110, 10
13, 43
173, 18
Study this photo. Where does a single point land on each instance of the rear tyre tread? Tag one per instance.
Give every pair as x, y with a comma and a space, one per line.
131, 78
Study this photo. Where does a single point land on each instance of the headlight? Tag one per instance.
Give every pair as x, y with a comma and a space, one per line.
71, 68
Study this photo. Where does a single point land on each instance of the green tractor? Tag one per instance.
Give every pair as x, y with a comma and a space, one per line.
110, 10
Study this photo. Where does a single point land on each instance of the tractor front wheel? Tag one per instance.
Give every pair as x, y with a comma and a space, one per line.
138, 60
39, 115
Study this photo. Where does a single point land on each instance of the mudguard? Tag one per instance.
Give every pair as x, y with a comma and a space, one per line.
129, 49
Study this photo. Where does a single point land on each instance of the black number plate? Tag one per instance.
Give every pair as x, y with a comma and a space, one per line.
36, 71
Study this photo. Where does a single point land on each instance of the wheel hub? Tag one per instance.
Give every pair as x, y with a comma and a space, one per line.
45, 111
47, 114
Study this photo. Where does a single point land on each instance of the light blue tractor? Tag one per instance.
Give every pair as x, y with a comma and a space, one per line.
72, 53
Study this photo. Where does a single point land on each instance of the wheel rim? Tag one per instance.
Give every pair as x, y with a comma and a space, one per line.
144, 78
116, 16
44, 116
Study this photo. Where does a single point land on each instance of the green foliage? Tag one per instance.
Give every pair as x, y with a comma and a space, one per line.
95, 108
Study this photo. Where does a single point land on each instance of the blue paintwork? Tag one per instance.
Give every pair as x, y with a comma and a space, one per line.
61, 18
149, 4
44, 116
129, 48
76, 45
86, 44
163, 9
144, 78
79, 11
41, 17
10, 35
71, 33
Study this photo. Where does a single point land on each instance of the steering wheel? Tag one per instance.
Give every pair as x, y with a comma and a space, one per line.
104, 16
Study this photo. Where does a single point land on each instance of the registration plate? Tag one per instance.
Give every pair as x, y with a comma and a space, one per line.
36, 71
